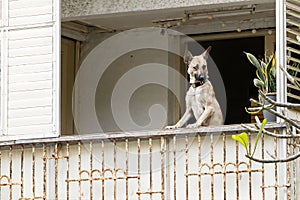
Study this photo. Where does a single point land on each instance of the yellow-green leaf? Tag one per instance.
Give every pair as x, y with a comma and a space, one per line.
242, 138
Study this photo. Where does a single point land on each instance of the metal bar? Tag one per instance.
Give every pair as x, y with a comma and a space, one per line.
263, 165
79, 168
22, 172
289, 170
127, 168
224, 170
11, 172
174, 165
150, 168
139, 167
250, 167
56, 151
33, 169
115, 169
199, 166
44, 171
237, 169
227, 172
162, 149
212, 168
276, 168
68, 169
91, 169
103, 168
186, 168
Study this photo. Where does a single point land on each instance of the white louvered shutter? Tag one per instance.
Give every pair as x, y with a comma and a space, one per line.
292, 30
30, 69
293, 47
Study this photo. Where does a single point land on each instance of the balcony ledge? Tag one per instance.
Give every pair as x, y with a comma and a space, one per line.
226, 129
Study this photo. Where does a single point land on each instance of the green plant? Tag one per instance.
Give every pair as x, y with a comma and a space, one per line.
265, 72
243, 139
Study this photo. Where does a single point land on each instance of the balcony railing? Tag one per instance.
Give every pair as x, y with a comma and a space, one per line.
180, 164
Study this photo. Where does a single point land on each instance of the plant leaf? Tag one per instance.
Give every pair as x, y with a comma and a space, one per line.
242, 138
259, 84
263, 124
268, 73
256, 64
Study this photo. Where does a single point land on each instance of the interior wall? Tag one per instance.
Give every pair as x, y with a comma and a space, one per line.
143, 115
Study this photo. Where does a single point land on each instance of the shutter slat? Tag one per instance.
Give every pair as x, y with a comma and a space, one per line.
293, 50
294, 32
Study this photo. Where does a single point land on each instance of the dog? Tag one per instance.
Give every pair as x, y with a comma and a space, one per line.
200, 98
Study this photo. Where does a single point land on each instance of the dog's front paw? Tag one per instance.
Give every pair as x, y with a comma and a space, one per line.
192, 126
171, 127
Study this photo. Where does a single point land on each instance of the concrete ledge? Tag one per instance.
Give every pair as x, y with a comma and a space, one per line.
72, 9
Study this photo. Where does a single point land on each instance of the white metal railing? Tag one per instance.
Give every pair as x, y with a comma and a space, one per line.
181, 164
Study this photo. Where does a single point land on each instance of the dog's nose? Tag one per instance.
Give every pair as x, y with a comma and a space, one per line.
201, 77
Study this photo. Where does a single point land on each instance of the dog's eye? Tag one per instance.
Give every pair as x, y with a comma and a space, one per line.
196, 67
204, 66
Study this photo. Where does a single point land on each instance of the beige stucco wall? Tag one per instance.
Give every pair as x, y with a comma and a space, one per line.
79, 8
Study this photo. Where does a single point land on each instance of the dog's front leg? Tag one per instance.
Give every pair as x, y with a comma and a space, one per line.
208, 112
186, 116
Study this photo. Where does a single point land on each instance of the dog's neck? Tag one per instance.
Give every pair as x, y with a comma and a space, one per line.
197, 84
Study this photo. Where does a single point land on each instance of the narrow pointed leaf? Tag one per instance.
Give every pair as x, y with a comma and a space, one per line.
263, 124
256, 64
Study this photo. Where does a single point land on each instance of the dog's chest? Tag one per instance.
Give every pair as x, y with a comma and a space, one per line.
196, 98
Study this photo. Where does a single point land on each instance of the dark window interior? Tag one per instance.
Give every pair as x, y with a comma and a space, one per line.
237, 73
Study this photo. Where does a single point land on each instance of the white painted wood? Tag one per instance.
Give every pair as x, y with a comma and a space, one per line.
1, 13
30, 103
34, 94
30, 59
29, 112
281, 82
30, 33
30, 86
34, 68
40, 76
30, 51
31, 131
32, 19
29, 121
31, 73
31, 11
39, 41
25, 4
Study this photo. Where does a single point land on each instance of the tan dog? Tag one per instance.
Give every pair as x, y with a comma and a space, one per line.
200, 98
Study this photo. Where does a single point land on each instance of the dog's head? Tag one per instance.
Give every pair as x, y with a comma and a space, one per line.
197, 66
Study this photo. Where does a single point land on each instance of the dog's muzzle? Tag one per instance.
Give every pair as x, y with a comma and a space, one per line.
200, 80
200, 77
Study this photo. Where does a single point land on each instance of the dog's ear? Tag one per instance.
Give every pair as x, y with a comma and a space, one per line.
187, 58
205, 54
